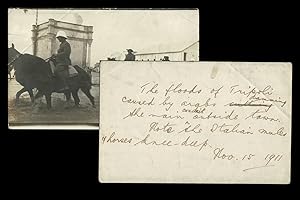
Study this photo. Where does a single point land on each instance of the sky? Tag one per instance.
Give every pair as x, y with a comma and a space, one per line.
114, 30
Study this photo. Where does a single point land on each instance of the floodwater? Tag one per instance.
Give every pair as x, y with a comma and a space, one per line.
60, 113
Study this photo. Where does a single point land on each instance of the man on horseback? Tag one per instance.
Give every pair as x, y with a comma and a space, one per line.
63, 58
35, 72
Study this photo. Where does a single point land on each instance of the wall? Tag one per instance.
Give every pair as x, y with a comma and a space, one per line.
176, 56
78, 36
192, 54
44, 47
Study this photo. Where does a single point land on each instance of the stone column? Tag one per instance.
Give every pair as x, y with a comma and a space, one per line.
51, 37
89, 43
51, 44
34, 39
89, 32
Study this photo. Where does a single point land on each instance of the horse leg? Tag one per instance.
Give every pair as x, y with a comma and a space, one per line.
87, 92
75, 96
68, 99
39, 94
31, 95
37, 98
68, 96
19, 94
48, 100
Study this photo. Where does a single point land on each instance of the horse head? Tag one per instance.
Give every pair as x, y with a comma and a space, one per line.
12, 54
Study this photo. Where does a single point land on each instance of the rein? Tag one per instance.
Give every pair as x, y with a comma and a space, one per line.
47, 59
13, 60
19, 55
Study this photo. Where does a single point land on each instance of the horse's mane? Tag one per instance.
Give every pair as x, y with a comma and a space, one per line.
28, 57
32, 64
12, 48
12, 54
35, 57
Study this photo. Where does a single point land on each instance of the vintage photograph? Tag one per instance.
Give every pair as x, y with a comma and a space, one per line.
54, 56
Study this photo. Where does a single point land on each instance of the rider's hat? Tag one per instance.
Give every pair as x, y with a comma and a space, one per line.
61, 34
130, 50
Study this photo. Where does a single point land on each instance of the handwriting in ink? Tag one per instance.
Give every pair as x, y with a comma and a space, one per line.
195, 143
272, 157
165, 116
279, 132
248, 156
147, 141
216, 91
252, 91
135, 113
257, 167
218, 153
166, 102
190, 128
249, 103
257, 115
177, 89
211, 115
153, 89
198, 105
228, 128
255, 98
154, 126
112, 139
139, 102
195, 110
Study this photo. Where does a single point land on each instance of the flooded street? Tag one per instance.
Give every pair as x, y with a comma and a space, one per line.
61, 113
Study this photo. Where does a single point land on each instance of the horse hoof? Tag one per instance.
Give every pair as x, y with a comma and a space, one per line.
67, 106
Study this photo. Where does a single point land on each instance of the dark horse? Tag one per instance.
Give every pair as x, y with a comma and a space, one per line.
34, 72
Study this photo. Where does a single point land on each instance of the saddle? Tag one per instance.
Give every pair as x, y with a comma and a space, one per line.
71, 70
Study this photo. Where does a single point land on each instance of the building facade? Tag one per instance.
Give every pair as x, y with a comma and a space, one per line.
189, 53
79, 36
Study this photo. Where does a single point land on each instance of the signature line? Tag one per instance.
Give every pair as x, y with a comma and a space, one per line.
258, 167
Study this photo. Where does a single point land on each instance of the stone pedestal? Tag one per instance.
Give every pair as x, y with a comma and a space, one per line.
79, 36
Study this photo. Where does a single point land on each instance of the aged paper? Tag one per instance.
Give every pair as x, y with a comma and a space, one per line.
195, 122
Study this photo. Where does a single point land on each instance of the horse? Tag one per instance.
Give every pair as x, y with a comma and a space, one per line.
34, 72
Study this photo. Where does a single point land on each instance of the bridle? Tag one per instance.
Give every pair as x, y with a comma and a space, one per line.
19, 55
15, 58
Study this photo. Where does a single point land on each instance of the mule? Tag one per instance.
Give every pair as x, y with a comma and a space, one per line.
34, 72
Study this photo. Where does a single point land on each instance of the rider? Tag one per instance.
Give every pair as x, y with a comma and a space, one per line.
130, 56
63, 58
